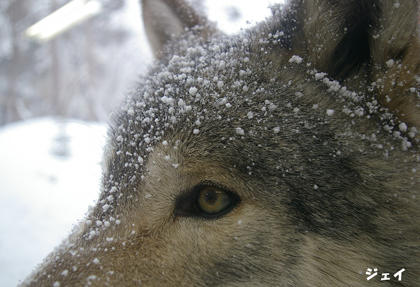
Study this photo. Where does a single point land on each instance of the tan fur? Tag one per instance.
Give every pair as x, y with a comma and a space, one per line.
311, 135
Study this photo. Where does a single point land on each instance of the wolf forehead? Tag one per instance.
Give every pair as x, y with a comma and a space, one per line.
263, 121
220, 90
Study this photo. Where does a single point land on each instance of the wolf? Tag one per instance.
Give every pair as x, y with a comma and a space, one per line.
286, 155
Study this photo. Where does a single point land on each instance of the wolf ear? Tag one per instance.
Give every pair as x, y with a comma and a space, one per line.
375, 40
396, 60
168, 19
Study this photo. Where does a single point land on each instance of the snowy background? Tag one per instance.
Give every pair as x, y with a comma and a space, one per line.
50, 166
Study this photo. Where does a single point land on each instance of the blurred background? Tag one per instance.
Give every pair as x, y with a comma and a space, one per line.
78, 74
59, 81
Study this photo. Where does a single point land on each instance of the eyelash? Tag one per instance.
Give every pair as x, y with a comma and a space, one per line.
187, 204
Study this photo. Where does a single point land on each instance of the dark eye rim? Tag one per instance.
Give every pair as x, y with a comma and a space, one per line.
186, 204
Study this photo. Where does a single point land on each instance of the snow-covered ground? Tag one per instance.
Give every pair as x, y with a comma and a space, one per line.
43, 193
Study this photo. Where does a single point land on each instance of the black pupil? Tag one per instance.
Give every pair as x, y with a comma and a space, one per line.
211, 197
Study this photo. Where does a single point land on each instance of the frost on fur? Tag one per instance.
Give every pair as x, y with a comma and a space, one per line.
283, 156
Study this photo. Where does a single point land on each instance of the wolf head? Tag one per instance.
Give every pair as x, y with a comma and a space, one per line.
287, 155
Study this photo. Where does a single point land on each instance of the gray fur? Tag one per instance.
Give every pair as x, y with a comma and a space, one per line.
320, 146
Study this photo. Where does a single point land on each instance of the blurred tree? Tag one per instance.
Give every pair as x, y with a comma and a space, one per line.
79, 74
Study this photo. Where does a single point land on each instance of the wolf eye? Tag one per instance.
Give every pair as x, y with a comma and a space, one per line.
206, 201
213, 200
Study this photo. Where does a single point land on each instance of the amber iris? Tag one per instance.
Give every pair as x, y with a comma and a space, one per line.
212, 200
